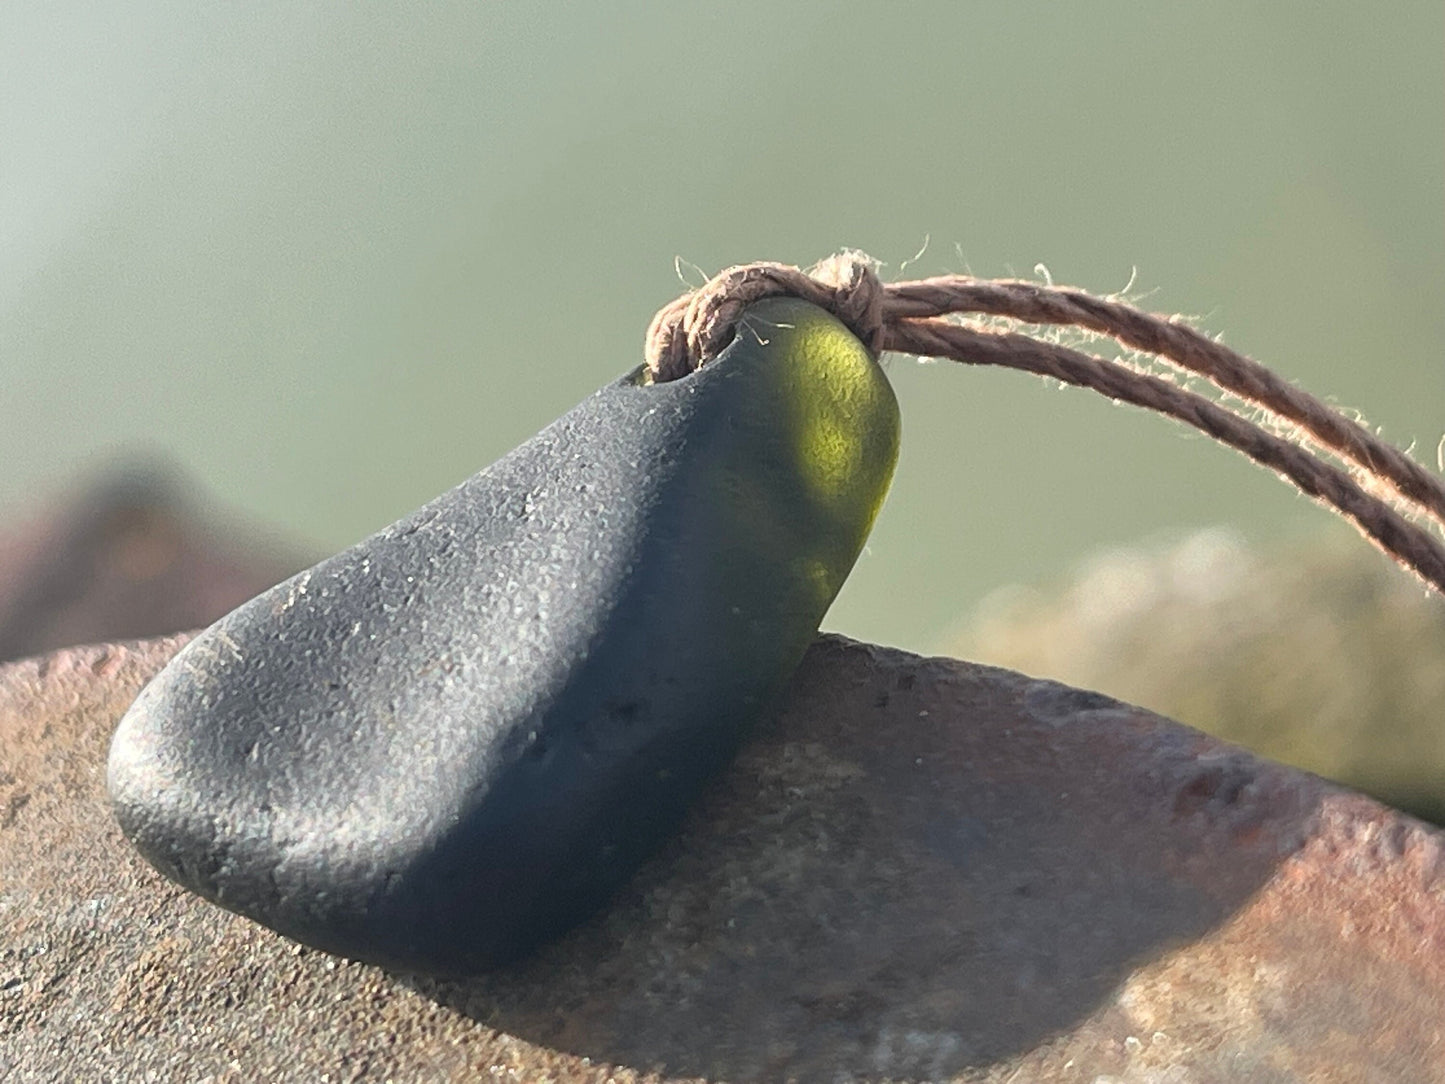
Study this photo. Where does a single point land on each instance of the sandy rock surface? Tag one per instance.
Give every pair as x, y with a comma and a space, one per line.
923, 870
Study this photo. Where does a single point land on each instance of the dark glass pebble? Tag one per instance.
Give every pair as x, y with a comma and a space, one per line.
456, 739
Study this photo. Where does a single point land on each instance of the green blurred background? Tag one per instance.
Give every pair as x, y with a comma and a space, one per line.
334, 259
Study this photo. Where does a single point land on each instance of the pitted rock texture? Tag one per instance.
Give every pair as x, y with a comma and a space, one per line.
923, 870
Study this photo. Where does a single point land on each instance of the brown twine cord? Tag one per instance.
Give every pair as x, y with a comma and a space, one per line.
1188, 350
912, 318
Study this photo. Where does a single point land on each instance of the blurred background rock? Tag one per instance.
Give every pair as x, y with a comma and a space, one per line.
1323, 655
132, 553
332, 259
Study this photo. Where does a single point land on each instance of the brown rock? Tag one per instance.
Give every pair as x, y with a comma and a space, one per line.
132, 555
923, 870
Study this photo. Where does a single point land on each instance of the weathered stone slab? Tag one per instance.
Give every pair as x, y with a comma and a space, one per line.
924, 870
